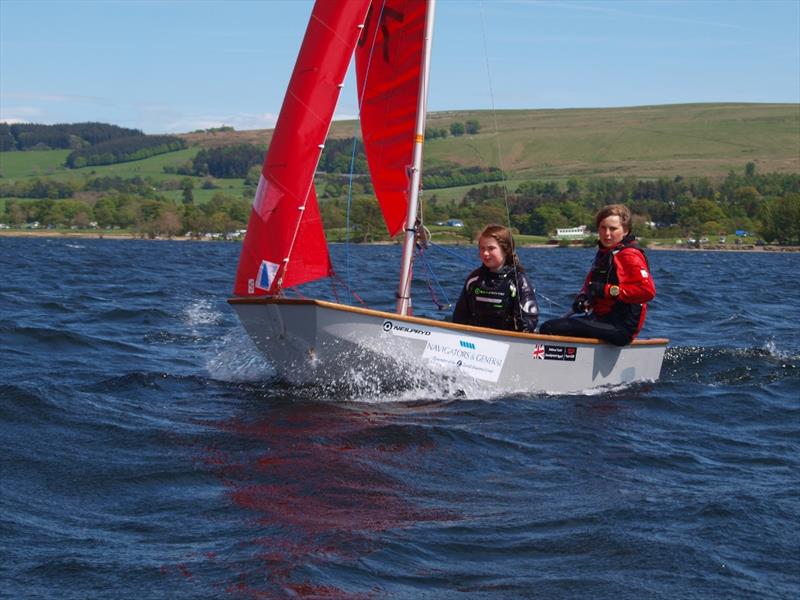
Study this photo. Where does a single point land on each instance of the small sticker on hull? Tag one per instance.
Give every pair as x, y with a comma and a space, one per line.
546, 352
403, 330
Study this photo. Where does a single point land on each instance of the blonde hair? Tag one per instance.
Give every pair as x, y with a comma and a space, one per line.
502, 235
614, 210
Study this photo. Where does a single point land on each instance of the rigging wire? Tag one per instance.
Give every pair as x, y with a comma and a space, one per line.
431, 277
494, 116
446, 250
497, 141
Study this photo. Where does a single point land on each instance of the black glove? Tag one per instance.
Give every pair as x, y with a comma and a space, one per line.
597, 289
581, 304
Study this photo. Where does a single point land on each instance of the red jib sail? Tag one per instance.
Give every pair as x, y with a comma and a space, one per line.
285, 243
388, 59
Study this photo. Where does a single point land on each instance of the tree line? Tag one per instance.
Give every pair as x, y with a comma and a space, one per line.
125, 149
150, 215
456, 129
340, 157
764, 204
45, 188
33, 136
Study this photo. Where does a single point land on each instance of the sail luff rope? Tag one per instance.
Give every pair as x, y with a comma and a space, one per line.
301, 209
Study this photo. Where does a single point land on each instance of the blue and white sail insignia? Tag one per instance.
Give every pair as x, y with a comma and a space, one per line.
266, 273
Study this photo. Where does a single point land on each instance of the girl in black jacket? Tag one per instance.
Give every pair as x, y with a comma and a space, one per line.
498, 294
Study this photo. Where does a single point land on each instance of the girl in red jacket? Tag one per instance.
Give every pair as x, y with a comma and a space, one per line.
617, 288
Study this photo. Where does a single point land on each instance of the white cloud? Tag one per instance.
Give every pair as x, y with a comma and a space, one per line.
239, 121
19, 114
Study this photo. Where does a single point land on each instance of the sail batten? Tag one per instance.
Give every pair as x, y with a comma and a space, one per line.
285, 243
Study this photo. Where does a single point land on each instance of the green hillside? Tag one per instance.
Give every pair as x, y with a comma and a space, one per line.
691, 140
50, 163
702, 168
649, 141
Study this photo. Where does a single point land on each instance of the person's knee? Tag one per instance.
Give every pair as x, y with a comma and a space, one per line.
619, 338
546, 327
552, 327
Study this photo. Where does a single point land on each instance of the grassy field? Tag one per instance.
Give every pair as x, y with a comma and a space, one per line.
691, 140
50, 163
651, 141
21, 165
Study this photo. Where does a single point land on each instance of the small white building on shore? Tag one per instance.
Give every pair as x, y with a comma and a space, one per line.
571, 233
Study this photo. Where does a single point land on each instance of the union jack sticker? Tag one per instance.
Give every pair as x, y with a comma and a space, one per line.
538, 351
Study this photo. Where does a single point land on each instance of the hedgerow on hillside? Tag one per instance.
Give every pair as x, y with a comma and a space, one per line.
124, 150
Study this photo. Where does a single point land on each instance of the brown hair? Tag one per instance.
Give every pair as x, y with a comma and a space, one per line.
615, 210
502, 235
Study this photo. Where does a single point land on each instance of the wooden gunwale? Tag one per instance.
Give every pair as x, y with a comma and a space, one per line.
434, 323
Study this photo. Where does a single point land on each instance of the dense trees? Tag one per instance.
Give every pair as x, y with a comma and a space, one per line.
445, 177
149, 216
431, 133
29, 136
227, 161
779, 219
764, 204
457, 129
472, 127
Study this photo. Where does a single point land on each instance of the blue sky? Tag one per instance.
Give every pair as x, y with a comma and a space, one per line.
175, 66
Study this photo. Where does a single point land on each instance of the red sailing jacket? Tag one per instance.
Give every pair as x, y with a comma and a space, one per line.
624, 265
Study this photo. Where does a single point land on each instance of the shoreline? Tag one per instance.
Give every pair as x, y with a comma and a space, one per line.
134, 236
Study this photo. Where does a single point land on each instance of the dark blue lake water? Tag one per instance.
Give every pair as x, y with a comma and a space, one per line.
148, 453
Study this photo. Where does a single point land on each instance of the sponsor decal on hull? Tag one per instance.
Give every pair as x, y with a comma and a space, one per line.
547, 352
403, 330
476, 357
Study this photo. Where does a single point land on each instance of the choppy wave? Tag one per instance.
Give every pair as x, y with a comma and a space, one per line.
149, 449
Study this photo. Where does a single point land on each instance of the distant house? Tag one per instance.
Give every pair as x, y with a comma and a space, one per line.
571, 233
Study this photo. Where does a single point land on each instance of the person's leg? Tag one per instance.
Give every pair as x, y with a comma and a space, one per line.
585, 327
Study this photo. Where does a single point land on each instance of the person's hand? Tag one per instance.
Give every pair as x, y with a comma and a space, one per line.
582, 304
597, 290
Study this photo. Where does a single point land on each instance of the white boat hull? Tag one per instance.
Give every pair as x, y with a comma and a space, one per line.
318, 342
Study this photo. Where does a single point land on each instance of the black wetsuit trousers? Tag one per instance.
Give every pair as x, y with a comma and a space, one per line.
590, 326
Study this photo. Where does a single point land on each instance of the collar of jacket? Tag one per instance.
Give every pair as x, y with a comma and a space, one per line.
629, 241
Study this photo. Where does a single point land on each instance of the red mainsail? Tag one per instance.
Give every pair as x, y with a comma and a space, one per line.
285, 243
388, 59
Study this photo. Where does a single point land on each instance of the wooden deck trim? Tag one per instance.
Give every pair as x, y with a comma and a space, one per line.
433, 323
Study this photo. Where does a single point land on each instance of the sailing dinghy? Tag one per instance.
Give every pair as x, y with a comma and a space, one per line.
316, 341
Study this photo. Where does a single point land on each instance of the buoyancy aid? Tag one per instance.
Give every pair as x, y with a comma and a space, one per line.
500, 300
628, 316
